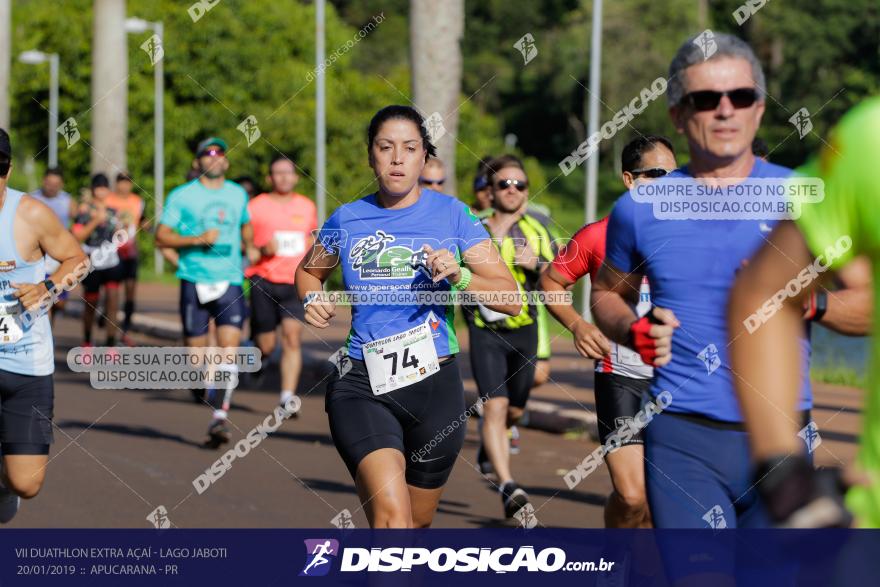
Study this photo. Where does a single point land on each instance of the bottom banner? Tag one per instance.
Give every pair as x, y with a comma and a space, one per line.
776, 558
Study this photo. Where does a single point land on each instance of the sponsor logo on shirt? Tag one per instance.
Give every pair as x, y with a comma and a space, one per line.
434, 323
375, 258
7, 265
216, 215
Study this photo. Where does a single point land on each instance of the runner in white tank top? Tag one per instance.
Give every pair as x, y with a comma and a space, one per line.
29, 230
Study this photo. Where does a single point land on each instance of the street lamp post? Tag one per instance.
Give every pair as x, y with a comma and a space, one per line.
137, 26
320, 113
592, 127
35, 58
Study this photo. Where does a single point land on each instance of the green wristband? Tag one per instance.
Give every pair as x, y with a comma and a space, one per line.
465, 280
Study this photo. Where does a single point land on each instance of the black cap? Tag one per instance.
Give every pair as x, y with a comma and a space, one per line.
5, 144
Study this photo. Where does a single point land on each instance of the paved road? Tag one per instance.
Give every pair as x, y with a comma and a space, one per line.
120, 454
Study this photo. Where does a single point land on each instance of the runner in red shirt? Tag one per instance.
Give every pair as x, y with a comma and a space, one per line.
621, 377
283, 222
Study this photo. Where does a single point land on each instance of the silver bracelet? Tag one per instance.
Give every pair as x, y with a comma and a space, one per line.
310, 297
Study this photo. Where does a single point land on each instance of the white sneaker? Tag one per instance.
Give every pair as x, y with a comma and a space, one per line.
9, 503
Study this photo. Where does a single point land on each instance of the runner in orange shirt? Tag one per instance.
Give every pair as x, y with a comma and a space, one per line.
283, 222
130, 210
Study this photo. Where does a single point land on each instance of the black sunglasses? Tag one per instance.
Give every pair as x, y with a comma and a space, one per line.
652, 172
705, 100
506, 183
424, 181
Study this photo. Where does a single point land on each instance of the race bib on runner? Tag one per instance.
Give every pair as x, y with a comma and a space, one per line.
290, 243
10, 323
208, 292
401, 359
627, 356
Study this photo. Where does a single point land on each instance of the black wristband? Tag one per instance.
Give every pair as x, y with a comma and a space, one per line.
796, 495
50, 285
821, 305
785, 484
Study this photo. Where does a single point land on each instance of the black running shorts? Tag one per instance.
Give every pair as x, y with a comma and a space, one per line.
503, 362
26, 407
128, 269
425, 421
93, 282
618, 399
271, 303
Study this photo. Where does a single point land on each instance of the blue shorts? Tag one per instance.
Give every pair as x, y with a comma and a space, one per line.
227, 310
699, 476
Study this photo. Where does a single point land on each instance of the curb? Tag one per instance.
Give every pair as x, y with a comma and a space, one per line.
542, 415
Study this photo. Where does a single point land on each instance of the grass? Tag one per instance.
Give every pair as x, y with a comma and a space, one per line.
146, 274
838, 375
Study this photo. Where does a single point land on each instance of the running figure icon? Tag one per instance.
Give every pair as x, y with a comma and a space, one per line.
318, 553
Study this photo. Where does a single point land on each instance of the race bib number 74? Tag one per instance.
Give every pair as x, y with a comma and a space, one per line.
401, 359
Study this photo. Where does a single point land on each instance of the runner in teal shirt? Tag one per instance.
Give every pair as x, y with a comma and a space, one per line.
191, 210
207, 221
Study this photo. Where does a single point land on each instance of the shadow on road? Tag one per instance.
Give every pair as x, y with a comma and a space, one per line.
836, 409
332, 486
142, 431
578, 496
839, 436
188, 400
307, 437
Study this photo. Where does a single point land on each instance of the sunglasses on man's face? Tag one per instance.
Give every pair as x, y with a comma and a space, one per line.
705, 100
425, 181
652, 172
213, 153
506, 183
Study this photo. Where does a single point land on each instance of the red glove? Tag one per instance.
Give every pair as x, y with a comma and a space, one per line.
640, 339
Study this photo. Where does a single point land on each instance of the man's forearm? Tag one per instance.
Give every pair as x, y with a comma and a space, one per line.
247, 235
612, 314
85, 230
72, 266
849, 311
565, 314
172, 240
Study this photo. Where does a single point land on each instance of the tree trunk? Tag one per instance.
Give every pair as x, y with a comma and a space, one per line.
702, 14
777, 60
436, 28
109, 88
5, 59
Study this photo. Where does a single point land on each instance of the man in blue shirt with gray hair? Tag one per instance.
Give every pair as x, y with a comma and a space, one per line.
698, 472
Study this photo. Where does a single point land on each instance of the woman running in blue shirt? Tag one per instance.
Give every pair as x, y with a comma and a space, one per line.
398, 416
